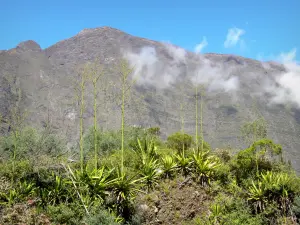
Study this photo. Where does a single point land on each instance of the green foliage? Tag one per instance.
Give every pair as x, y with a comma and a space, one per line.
150, 172
260, 156
131, 160
224, 154
106, 141
179, 141
183, 163
146, 150
168, 166
155, 131
255, 185
21, 169
202, 145
204, 166
101, 216
124, 188
276, 187
254, 131
31, 142
296, 206
229, 211
65, 213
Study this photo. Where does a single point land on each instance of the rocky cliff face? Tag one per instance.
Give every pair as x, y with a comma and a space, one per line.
166, 76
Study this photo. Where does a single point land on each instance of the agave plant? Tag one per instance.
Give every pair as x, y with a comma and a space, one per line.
146, 150
8, 198
97, 182
150, 172
27, 189
281, 187
204, 166
216, 213
100, 183
125, 188
183, 163
168, 166
59, 191
257, 195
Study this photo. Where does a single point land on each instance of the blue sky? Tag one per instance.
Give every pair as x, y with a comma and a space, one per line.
258, 29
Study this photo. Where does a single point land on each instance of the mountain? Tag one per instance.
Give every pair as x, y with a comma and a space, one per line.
237, 89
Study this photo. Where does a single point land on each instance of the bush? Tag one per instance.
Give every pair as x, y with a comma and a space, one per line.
296, 207
229, 210
66, 214
259, 157
100, 216
106, 141
179, 141
154, 131
16, 170
31, 142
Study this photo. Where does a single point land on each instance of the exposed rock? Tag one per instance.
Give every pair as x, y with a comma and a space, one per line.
46, 78
29, 46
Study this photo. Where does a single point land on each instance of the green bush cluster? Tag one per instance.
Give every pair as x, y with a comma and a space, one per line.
254, 186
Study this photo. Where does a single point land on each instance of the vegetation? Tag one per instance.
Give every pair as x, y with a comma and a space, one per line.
131, 176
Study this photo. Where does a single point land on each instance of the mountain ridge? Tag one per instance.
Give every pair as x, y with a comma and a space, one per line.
233, 84
108, 28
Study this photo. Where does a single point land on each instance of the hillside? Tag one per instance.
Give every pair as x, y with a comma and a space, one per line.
237, 89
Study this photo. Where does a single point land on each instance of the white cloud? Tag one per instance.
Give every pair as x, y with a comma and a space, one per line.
285, 87
151, 69
154, 69
287, 57
233, 37
215, 77
177, 52
201, 46
144, 61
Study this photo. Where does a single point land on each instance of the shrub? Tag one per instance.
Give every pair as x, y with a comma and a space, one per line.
106, 141
100, 216
259, 157
229, 210
66, 214
31, 142
154, 131
296, 207
179, 141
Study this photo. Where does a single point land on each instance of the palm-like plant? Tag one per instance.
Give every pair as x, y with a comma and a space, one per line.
124, 188
168, 165
281, 187
183, 163
204, 166
27, 189
257, 195
58, 192
100, 182
150, 172
96, 182
146, 150
273, 187
216, 213
8, 198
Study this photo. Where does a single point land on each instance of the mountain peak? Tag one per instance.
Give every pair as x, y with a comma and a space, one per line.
29, 45
97, 29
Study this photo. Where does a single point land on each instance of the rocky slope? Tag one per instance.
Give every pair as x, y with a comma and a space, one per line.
233, 85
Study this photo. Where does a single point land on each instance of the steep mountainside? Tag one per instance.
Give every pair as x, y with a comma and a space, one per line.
236, 89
